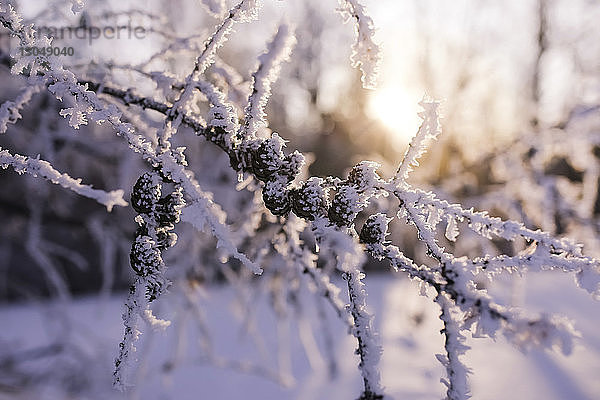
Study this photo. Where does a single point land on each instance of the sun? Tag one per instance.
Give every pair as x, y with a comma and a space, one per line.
397, 109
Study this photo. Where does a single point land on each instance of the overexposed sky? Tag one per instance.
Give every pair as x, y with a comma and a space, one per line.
489, 47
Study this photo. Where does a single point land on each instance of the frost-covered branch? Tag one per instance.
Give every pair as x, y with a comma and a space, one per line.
369, 349
127, 347
349, 258
43, 169
458, 388
310, 200
63, 83
156, 218
548, 251
429, 130
329, 206
305, 262
365, 52
269, 64
485, 225
10, 110
197, 215
245, 10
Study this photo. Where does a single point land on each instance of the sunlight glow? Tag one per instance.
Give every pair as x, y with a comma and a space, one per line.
397, 109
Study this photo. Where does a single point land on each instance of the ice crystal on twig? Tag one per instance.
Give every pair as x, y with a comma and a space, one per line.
365, 52
263, 78
36, 167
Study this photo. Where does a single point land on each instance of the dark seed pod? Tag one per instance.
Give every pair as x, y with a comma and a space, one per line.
363, 175
234, 159
141, 230
146, 192
276, 196
268, 157
168, 209
309, 200
375, 229
244, 155
345, 206
216, 134
292, 164
145, 257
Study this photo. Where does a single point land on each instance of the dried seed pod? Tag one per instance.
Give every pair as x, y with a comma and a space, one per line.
268, 157
345, 205
241, 157
374, 229
364, 175
168, 209
276, 196
217, 135
292, 164
145, 257
141, 230
309, 200
146, 192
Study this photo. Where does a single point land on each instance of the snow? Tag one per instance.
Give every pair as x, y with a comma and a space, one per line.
429, 130
365, 52
409, 332
9, 110
43, 169
269, 65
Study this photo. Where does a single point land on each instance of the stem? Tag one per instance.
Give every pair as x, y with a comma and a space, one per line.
368, 350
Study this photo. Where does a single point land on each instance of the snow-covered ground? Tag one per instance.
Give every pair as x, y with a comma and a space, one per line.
171, 367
